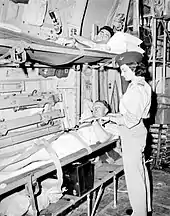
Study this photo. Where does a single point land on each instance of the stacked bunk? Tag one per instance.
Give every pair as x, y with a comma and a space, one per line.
36, 146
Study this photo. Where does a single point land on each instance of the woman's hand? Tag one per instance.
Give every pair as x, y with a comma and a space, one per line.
114, 114
105, 118
88, 120
114, 117
109, 118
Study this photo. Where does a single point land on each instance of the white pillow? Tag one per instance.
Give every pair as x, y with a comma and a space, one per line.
122, 42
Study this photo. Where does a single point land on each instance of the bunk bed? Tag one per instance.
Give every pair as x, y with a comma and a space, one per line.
27, 175
44, 51
19, 48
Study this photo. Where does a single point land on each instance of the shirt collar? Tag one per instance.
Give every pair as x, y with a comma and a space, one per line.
139, 80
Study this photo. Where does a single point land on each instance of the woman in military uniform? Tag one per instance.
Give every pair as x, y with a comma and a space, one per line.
134, 107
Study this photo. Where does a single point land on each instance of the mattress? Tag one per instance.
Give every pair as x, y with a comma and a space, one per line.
68, 148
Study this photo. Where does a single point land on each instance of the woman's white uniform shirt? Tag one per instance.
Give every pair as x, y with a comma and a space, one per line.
135, 103
134, 106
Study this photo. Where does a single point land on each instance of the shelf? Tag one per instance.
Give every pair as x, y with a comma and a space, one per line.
160, 62
161, 37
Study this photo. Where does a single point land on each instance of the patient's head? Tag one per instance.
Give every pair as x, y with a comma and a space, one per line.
100, 108
104, 34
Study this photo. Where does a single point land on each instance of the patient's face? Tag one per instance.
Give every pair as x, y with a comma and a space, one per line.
103, 36
99, 109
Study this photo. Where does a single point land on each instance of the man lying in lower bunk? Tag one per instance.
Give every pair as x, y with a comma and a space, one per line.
94, 130
91, 131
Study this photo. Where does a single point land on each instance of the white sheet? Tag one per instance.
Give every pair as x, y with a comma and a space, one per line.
65, 145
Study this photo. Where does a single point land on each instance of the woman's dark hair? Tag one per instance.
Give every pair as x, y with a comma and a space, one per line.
139, 69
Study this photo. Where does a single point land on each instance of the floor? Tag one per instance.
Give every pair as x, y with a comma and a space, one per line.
161, 198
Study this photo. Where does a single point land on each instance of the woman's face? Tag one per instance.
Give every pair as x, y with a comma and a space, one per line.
126, 72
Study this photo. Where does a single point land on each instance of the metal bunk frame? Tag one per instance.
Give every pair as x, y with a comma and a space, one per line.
29, 179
